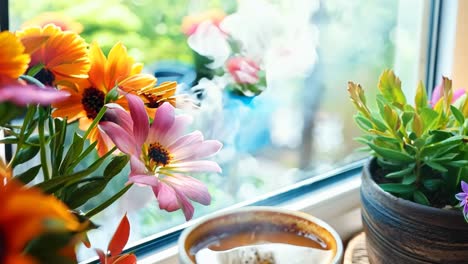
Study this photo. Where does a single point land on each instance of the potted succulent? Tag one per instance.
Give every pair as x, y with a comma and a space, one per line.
413, 188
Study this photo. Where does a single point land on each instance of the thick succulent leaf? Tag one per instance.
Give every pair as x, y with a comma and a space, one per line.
390, 87
420, 198
420, 100
391, 154
397, 188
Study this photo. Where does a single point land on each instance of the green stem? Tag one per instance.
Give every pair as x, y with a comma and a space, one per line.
29, 115
42, 149
108, 202
95, 121
32, 80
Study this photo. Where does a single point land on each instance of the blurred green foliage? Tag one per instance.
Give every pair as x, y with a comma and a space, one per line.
151, 29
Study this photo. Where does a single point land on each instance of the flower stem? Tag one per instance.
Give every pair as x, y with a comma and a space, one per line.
95, 121
42, 149
21, 137
108, 202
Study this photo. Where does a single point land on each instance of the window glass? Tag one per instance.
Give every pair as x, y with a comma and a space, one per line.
299, 126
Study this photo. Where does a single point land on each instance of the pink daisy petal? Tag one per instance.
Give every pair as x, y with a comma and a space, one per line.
120, 137
177, 129
144, 180
167, 197
201, 150
194, 189
197, 166
186, 205
192, 138
140, 118
31, 94
163, 121
115, 113
137, 166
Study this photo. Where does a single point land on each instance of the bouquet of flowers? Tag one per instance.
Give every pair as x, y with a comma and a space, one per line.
76, 104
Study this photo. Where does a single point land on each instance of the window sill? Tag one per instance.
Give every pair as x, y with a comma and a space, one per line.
336, 203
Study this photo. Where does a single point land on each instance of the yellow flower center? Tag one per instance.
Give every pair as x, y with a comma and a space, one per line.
45, 76
92, 101
158, 154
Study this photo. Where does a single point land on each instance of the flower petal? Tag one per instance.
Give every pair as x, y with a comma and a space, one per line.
201, 150
31, 94
166, 196
464, 187
137, 166
186, 205
124, 141
177, 129
140, 118
116, 114
144, 180
461, 197
194, 189
197, 166
188, 139
163, 121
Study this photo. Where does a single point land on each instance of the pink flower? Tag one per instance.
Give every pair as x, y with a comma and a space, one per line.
161, 155
437, 95
243, 70
21, 94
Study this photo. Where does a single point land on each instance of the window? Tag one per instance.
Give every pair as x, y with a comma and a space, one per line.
299, 127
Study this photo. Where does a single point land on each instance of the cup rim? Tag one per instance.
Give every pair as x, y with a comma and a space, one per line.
184, 258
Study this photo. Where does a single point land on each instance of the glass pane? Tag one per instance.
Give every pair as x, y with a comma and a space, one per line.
299, 126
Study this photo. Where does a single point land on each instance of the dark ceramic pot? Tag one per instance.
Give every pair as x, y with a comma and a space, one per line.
402, 232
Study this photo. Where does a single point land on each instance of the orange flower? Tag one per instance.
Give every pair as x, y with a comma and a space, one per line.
63, 54
60, 20
13, 60
13, 63
117, 70
24, 216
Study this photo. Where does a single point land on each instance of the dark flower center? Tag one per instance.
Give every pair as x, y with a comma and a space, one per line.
92, 101
153, 100
45, 76
158, 154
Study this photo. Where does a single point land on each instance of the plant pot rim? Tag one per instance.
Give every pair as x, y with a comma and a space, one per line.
367, 175
183, 256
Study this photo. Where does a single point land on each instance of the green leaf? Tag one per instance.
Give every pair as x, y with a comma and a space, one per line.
430, 118
400, 173
458, 115
458, 163
73, 152
25, 154
432, 184
29, 175
108, 202
390, 87
8, 112
409, 179
441, 147
391, 154
420, 198
115, 166
436, 166
420, 99
363, 122
397, 188
82, 194
406, 117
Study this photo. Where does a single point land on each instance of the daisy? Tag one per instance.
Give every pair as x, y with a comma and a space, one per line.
13, 63
63, 54
162, 156
88, 96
